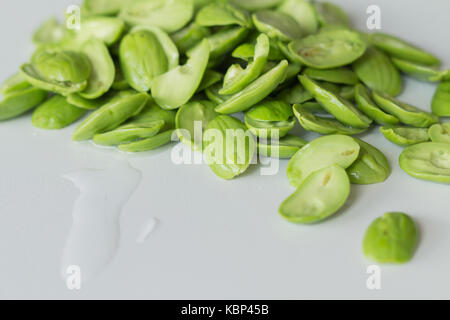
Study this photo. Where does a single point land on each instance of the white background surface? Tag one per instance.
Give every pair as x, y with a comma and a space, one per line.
216, 239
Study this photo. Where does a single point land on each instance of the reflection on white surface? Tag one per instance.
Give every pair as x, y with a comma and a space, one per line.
146, 230
95, 233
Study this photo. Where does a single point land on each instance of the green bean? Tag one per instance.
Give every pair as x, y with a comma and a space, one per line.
170, 16
321, 195
242, 78
391, 238
56, 113
201, 112
322, 125
405, 136
284, 148
406, 113
228, 149
369, 107
222, 14
186, 79
328, 49
268, 117
370, 167
63, 72
337, 75
322, 153
440, 132
122, 107
427, 161
277, 25
256, 91
341, 109
401, 49
376, 71
20, 101
441, 100
148, 144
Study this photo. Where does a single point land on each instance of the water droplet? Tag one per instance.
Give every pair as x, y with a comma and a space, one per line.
94, 237
146, 230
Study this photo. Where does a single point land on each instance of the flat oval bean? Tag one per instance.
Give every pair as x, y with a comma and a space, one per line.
419, 71
16, 82
210, 78
277, 25
129, 133
427, 161
376, 71
294, 95
89, 104
242, 78
103, 7
401, 49
190, 36
122, 107
328, 49
370, 167
391, 238
142, 58
440, 132
337, 75
103, 69
107, 29
303, 12
213, 94
441, 100
56, 113
322, 125
222, 14
169, 15
268, 117
63, 72
148, 144
405, 136
341, 109
201, 112
253, 5
186, 79
228, 149
322, 153
20, 101
225, 41
51, 31
284, 148
321, 195
406, 113
369, 107
331, 14
255, 92
152, 112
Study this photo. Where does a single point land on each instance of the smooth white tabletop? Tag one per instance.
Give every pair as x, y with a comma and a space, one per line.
214, 239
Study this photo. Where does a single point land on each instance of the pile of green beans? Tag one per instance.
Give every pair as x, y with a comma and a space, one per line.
142, 71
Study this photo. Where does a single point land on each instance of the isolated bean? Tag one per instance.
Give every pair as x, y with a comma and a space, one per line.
391, 238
